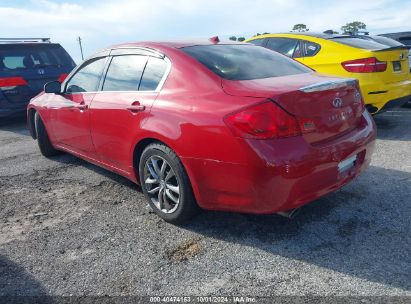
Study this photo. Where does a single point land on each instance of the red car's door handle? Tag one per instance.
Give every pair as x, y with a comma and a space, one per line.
136, 107
82, 107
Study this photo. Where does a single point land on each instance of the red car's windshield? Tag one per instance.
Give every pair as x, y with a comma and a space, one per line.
244, 62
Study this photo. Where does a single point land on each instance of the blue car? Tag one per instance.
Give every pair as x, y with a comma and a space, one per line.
25, 66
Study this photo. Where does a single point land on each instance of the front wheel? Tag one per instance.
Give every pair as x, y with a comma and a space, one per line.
43, 140
166, 185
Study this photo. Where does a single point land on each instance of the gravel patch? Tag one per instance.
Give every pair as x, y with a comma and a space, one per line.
70, 228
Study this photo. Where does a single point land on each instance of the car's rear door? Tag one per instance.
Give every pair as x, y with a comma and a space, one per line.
118, 112
70, 111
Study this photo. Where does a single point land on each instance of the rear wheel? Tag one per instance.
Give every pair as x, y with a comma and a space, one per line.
166, 185
46, 148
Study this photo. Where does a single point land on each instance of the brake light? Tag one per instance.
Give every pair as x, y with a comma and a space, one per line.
365, 65
62, 77
263, 121
11, 82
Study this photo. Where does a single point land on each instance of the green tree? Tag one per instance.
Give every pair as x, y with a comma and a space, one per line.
240, 39
300, 27
353, 27
233, 38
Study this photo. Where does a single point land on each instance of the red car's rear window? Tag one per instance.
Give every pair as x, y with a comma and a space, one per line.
244, 61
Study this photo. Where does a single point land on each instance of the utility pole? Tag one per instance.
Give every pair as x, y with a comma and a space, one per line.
81, 48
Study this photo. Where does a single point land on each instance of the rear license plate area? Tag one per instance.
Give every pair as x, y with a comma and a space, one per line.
396, 65
347, 164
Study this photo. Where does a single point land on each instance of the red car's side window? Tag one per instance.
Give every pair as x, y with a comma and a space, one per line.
153, 74
134, 73
124, 73
87, 78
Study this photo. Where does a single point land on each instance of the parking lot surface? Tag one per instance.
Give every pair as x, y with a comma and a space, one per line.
68, 227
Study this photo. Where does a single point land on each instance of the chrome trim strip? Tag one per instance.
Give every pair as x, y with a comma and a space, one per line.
328, 85
163, 80
365, 64
154, 52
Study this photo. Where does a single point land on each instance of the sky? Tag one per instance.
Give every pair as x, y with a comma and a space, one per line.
107, 22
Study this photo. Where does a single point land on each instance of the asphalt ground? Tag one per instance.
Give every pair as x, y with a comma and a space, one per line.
68, 227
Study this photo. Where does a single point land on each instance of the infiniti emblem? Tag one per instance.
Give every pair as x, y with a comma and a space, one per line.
40, 71
337, 103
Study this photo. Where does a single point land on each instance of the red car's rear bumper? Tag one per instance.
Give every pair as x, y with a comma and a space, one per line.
280, 174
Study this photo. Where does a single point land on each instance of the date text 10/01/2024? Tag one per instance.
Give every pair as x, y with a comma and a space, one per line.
233, 299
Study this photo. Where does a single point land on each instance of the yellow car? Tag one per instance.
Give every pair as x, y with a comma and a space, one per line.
381, 68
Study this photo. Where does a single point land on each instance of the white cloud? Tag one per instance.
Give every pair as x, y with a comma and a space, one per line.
101, 23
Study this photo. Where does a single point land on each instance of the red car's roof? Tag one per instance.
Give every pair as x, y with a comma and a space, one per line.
171, 44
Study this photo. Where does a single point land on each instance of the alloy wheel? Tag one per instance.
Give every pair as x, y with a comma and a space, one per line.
161, 184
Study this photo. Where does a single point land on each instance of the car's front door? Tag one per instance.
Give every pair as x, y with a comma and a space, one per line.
120, 109
71, 121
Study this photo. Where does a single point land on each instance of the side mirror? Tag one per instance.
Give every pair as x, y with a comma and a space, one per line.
53, 87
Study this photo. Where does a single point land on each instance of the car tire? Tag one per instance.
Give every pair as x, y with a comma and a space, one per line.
46, 148
168, 179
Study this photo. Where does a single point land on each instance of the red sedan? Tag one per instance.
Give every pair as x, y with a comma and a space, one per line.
208, 125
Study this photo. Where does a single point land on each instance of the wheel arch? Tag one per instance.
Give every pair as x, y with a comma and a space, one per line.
138, 151
31, 123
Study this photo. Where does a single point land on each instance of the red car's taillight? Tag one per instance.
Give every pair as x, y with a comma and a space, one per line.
263, 121
11, 82
365, 65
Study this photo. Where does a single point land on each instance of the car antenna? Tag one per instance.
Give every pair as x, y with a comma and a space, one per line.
81, 47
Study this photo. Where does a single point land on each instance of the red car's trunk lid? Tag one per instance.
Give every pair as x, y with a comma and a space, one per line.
327, 107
